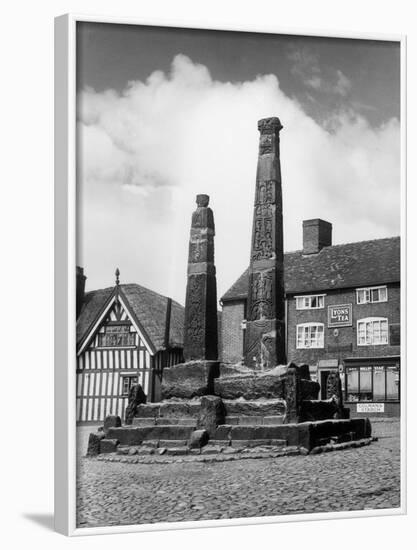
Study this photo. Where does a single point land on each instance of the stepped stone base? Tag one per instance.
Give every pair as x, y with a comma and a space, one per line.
277, 408
305, 435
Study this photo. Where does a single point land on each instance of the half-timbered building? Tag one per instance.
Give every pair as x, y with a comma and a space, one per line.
126, 334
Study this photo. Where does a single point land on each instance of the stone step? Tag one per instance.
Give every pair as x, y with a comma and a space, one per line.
150, 421
275, 420
239, 443
243, 420
218, 443
292, 434
143, 421
171, 443
255, 407
176, 422
135, 435
177, 451
170, 409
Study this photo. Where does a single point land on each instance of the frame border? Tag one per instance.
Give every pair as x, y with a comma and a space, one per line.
65, 261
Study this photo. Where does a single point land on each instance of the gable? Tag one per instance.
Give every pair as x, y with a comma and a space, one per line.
116, 327
150, 310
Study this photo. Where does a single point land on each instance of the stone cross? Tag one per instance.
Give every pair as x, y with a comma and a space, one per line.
200, 323
265, 326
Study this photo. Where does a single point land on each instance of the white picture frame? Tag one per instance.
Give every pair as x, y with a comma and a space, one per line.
65, 246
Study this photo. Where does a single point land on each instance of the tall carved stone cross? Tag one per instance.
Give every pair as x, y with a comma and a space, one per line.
200, 323
265, 326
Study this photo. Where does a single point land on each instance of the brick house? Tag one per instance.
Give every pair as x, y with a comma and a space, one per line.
342, 313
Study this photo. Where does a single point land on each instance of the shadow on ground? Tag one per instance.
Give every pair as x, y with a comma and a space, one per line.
44, 520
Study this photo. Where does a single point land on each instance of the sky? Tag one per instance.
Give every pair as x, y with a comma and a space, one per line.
164, 114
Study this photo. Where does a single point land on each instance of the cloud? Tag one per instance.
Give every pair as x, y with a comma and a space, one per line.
146, 152
306, 67
343, 84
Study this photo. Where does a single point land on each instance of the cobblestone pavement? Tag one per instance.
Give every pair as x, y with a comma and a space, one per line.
354, 479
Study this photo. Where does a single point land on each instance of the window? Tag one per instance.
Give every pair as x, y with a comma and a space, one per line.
127, 383
310, 335
310, 302
373, 383
371, 295
372, 331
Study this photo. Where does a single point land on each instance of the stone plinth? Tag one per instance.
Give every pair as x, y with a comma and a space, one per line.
188, 380
285, 383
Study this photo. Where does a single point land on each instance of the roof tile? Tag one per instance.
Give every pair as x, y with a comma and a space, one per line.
339, 266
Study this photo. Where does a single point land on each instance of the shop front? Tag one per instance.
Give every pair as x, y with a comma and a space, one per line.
372, 386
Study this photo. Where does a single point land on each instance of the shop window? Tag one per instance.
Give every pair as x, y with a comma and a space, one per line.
372, 331
371, 295
310, 335
127, 383
373, 383
393, 383
310, 302
379, 384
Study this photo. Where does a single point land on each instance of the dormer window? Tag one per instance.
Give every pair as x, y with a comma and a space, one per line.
371, 295
315, 301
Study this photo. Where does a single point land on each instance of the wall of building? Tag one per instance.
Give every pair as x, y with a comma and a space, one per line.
232, 334
345, 343
100, 374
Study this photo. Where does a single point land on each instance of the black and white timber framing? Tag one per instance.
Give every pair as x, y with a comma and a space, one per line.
126, 335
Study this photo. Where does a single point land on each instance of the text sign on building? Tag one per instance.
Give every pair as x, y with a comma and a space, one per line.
339, 316
117, 336
370, 407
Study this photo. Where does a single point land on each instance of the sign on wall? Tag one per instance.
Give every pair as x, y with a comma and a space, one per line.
117, 336
339, 316
370, 407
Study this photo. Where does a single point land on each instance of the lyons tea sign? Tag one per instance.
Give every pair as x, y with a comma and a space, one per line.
340, 316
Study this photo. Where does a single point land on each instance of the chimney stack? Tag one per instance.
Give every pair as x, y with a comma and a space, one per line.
80, 289
317, 234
